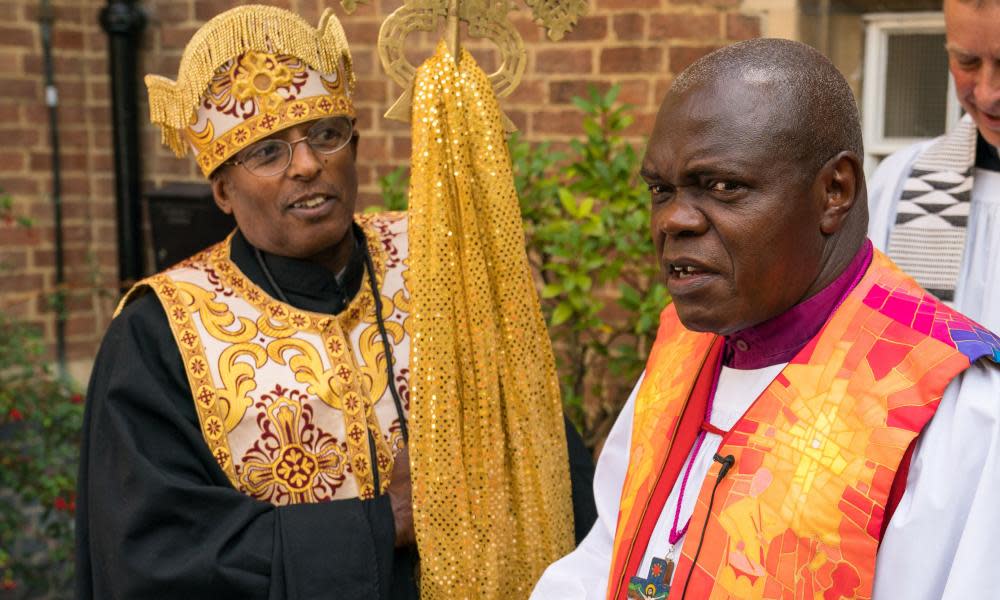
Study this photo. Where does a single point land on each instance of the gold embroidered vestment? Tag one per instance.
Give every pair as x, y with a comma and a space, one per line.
286, 398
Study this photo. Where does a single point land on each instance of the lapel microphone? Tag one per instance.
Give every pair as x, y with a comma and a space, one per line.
727, 462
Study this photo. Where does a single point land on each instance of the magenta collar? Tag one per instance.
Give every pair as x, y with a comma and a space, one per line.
779, 339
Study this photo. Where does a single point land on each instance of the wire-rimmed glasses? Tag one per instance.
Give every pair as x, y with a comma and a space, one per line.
271, 157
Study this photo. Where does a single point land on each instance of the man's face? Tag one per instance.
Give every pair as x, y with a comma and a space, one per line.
735, 220
974, 59
304, 212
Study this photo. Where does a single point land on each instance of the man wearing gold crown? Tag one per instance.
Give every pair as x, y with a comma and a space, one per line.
247, 423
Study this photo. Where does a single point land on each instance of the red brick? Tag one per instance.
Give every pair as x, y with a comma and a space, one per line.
206, 9
80, 325
22, 282
79, 302
401, 148
682, 56
371, 90
65, 12
710, 3
20, 185
563, 92
630, 27
101, 162
18, 236
529, 30
12, 259
172, 12
360, 33
364, 63
563, 61
519, 118
684, 26
11, 161
9, 112
742, 27
642, 125
17, 306
366, 175
589, 29
176, 36
660, 92
82, 349
529, 92
616, 5
36, 113
366, 117
74, 139
488, 59
67, 39
561, 122
75, 185
22, 37
366, 199
24, 89
634, 92
631, 59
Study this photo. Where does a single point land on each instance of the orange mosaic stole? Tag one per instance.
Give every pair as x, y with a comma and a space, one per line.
816, 454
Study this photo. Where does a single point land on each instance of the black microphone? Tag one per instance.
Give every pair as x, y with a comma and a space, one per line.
727, 463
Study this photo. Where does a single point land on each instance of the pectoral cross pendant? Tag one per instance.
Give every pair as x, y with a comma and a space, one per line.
656, 584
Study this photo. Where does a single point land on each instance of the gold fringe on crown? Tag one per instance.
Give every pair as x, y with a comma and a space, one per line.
173, 104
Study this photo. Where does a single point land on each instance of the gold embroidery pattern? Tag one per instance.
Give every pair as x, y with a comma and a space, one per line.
177, 305
351, 380
294, 461
260, 76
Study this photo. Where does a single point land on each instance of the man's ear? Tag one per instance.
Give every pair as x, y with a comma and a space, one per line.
221, 192
843, 187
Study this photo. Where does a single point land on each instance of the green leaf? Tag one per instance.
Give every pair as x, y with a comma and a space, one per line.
551, 290
568, 201
562, 313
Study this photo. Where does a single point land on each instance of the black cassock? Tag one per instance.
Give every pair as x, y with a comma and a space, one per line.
158, 518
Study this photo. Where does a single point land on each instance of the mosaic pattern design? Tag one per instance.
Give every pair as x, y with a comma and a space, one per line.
925, 315
801, 513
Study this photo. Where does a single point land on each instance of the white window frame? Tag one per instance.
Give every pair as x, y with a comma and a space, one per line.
878, 28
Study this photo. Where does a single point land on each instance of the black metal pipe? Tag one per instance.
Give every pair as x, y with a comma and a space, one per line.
52, 101
123, 21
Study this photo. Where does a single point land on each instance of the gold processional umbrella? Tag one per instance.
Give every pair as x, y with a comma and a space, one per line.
491, 490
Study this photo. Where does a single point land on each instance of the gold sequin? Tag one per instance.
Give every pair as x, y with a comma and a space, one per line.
491, 492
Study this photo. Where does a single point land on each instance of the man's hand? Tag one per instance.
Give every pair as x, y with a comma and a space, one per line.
401, 498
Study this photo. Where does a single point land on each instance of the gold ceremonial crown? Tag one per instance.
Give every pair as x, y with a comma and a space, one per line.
247, 73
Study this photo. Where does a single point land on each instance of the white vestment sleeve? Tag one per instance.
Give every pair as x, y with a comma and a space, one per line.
943, 539
583, 573
884, 189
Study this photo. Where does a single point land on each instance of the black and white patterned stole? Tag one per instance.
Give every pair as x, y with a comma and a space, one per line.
928, 239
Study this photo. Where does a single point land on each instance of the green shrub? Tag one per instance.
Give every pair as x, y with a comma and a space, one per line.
586, 220
40, 421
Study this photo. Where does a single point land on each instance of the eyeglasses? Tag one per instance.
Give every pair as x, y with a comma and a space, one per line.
268, 158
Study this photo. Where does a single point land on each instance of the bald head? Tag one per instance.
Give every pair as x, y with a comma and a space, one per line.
977, 3
815, 114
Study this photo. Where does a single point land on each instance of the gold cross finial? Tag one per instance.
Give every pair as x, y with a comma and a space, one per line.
485, 18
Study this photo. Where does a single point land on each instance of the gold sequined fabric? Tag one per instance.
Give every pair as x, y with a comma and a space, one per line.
491, 491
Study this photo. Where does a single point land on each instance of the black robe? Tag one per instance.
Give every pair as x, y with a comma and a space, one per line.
158, 518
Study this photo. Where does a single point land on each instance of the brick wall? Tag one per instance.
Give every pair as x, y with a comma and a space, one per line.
27, 278
637, 43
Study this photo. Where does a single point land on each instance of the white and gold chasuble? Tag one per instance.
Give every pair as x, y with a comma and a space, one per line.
286, 398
